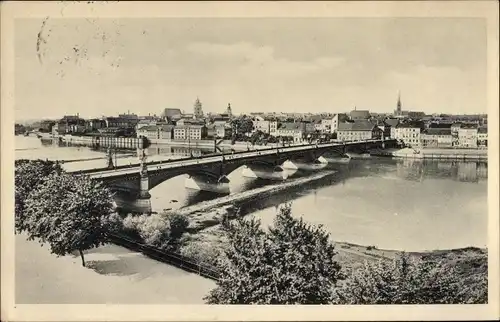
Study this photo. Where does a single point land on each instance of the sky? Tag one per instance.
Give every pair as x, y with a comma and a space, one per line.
98, 67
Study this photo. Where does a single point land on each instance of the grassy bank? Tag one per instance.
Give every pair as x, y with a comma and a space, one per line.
203, 245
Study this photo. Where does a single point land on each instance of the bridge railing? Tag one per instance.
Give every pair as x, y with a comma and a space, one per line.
233, 153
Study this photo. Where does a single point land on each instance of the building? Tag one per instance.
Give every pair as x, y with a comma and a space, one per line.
482, 136
156, 133
187, 121
436, 138
145, 122
391, 124
336, 120
359, 115
325, 126
437, 125
172, 114
149, 131
211, 131
454, 133
69, 124
198, 109
310, 128
218, 131
273, 127
330, 123
94, 125
123, 121
189, 132
259, 124
468, 136
295, 130
409, 133
358, 131
46, 126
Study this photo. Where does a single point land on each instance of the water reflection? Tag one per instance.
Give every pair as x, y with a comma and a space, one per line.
464, 171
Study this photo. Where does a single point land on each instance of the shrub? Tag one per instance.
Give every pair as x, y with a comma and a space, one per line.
404, 280
158, 230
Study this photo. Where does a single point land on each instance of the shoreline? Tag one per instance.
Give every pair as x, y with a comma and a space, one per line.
349, 255
435, 154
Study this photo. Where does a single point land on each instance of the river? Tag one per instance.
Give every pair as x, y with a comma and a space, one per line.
410, 205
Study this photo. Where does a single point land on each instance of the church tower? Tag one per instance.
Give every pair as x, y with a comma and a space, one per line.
198, 110
229, 112
398, 111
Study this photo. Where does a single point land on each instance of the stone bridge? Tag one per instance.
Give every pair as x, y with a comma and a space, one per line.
210, 172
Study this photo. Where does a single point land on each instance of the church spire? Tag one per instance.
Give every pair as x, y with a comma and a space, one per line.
398, 107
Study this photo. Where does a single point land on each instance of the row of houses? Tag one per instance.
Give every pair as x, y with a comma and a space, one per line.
442, 135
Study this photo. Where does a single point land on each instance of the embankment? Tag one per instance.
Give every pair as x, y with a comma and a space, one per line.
437, 154
209, 213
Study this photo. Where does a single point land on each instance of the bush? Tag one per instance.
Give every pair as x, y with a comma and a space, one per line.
406, 280
202, 252
158, 230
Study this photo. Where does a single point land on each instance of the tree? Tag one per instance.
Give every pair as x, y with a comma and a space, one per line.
305, 256
69, 213
292, 263
404, 280
242, 125
28, 175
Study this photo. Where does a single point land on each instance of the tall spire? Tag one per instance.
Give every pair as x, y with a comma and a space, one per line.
398, 107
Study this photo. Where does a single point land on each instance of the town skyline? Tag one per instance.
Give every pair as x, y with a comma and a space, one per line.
99, 67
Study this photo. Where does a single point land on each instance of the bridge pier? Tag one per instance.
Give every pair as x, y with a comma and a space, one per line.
208, 183
299, 164
143, 202
270, 172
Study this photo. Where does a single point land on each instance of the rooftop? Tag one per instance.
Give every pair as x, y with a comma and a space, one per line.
438, 131
291, 126
440, 125
482, 129
356, 126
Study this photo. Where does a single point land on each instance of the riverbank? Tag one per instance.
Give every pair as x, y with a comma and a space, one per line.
209, 213
205, 246
437, 154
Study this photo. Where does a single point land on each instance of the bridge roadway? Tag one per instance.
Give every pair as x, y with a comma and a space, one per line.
103, 173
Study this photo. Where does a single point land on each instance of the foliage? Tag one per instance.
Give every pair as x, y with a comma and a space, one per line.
204, 252
69, 213
292, 263
114, 222
158, 230
178, 225
28, 175
242, 125
262, 138
405, 280
306, 258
